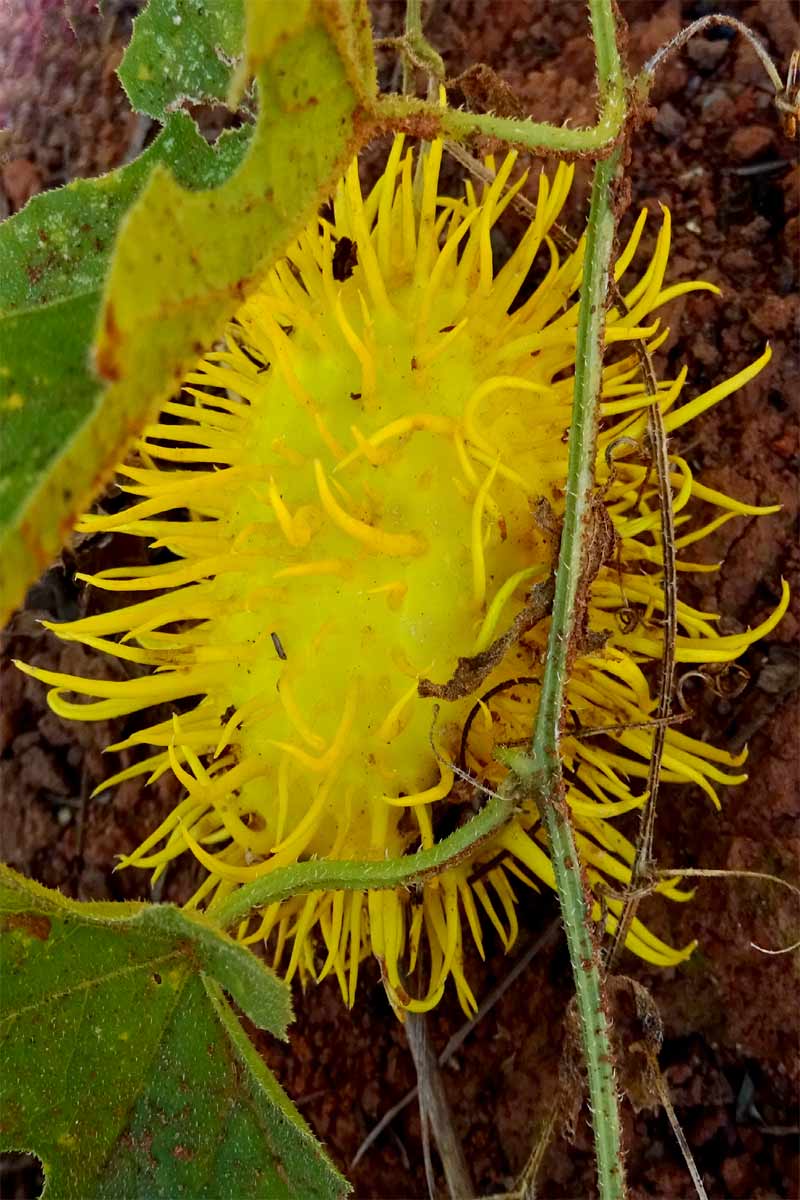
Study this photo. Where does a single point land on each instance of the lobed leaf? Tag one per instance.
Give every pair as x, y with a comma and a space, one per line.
125, 1069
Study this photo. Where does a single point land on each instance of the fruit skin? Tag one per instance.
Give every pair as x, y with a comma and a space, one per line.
361, 492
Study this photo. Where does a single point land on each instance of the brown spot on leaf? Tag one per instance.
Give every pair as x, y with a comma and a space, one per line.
106, 359
35, 925
33, 543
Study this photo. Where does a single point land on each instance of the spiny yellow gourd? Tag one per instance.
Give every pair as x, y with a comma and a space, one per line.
359, 488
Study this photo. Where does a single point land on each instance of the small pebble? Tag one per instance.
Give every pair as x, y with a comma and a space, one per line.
669, 122
706, 54
738, 1175
747, 143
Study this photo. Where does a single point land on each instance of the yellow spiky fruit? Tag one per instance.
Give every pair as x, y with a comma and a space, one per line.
373, 466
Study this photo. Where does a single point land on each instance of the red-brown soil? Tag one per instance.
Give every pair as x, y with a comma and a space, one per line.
715, 154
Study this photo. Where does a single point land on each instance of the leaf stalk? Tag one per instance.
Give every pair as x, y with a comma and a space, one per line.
333, 875
535, 136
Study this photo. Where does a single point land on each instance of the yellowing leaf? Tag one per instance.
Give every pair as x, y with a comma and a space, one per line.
53, 259
182, 263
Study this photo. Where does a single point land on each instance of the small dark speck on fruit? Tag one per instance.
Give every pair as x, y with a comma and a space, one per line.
345, 259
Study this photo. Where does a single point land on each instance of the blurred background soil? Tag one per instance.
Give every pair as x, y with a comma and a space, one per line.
714, 153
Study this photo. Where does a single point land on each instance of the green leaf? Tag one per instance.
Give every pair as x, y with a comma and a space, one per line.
183, 262
125, 1069
182, 50
53, 259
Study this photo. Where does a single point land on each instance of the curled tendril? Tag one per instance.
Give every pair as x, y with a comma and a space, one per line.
726, 682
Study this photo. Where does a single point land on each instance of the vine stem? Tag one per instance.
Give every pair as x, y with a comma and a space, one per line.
545, 761
413, 28
543, 766
540, 772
